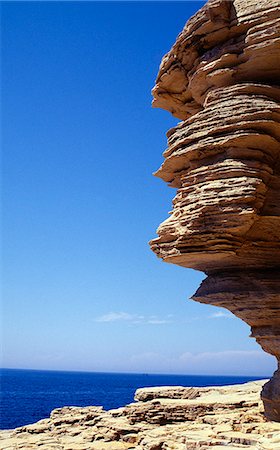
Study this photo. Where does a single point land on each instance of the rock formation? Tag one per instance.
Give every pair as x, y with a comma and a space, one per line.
172, 418
221, 79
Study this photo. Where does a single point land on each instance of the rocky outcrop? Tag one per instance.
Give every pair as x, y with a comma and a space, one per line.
221, 78
172, 418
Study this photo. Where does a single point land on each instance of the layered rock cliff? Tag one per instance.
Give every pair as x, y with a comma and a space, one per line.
171, 418
221, 78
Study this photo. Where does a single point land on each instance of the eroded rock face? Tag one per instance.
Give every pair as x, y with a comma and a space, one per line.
221, 78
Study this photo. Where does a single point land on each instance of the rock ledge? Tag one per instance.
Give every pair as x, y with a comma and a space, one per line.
163, 418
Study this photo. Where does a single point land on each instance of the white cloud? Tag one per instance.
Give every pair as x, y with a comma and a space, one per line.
157, 321
221, 355
115, 316
221, 314
230, 362
215, 315
132, 318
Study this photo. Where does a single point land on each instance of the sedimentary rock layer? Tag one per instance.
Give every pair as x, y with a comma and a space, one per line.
225, 43
165, 418
225, 163
221, 78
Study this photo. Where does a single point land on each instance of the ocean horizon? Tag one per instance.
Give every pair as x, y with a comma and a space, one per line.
28, 395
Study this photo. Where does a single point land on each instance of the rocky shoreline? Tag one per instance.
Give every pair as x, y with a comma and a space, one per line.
163, 418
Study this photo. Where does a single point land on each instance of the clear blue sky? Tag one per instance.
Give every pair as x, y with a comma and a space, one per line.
82, 290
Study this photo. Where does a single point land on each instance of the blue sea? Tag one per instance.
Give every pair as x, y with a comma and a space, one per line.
30, 395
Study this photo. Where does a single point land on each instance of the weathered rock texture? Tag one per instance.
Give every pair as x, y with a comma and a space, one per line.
173, 418
221, 78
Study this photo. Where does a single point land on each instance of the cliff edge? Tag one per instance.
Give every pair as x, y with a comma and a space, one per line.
163, 418
221, 78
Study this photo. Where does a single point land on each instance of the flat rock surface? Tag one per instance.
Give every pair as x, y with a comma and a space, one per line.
167, 418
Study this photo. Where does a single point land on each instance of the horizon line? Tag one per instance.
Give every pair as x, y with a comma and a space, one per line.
136, 373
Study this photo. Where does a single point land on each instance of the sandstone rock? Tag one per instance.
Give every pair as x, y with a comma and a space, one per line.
209, 418
172, 392
221, 78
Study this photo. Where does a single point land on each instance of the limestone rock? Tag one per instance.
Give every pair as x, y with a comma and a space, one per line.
221, 78
165, 418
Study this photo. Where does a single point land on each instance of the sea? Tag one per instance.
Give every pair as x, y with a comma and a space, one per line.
30, 395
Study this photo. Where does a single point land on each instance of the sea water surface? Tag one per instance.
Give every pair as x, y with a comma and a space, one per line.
30, 395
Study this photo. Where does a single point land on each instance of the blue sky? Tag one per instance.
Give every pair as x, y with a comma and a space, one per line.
82, 290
